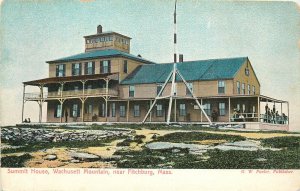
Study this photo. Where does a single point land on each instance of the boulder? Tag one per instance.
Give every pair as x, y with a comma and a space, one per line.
50, 157
84, 156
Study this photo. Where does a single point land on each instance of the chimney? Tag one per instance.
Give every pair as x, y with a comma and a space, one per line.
180, 57
99, 29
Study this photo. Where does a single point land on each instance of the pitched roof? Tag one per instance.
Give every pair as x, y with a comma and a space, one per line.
193, 70
107, 53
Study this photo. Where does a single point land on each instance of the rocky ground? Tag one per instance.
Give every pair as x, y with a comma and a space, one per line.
145, 148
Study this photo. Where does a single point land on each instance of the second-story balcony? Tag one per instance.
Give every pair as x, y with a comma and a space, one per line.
74, 87
72, 94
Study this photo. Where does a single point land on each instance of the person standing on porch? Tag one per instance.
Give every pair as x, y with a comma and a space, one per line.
266, 108
66, 116
274, 109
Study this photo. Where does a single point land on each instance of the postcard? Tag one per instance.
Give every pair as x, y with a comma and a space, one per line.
149, 95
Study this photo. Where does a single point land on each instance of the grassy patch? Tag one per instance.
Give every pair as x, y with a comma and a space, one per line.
213, 159
179, 137
282, 142
15, 161
137, 139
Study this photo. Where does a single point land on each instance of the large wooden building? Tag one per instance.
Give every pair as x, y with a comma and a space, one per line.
108, 84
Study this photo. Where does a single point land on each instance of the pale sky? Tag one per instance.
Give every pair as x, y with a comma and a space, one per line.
33, 32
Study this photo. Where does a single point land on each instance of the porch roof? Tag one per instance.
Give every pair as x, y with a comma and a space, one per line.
111, 76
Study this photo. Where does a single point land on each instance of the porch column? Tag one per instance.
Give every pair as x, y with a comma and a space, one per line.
82, 108
281, 108
229, 112
83, 84
258, 109
175, 104
24, 86
127, 113
106, 99
201, 101
106, 87
40, 110
150, 115
288, 114
62, 89
106, 109
61, 109
41, 103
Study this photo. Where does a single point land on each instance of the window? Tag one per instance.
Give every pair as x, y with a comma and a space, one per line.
182, 110
243, 88
131, 91
58, 111
110, 38
222, 108
207, 109
125, 69
158, 88
159, 111
89, 109
136, 110
238, 87
89, 87
76, 88
253, 109
89, 68
60, 70
221, 87
102, 110
190, 85
75, 111
249, 90
105, 66
113, 109
247, 72
253, 90
76, 69
122, 111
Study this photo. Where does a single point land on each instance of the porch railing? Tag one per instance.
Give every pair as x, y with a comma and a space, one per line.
72, 93
273, 119
240, 117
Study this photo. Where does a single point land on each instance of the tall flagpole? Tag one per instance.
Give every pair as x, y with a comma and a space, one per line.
172, 76
173, 88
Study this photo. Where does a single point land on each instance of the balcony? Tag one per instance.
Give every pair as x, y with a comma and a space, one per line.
72, 94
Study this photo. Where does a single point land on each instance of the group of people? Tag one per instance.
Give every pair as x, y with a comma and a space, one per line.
237, 116
272, 116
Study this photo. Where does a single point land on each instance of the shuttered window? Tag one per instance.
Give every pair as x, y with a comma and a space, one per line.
136, 110
122, 111
89, 68
105, 67
76, 69
60, 70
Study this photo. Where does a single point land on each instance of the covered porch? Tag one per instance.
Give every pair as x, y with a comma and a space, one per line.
61, 89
